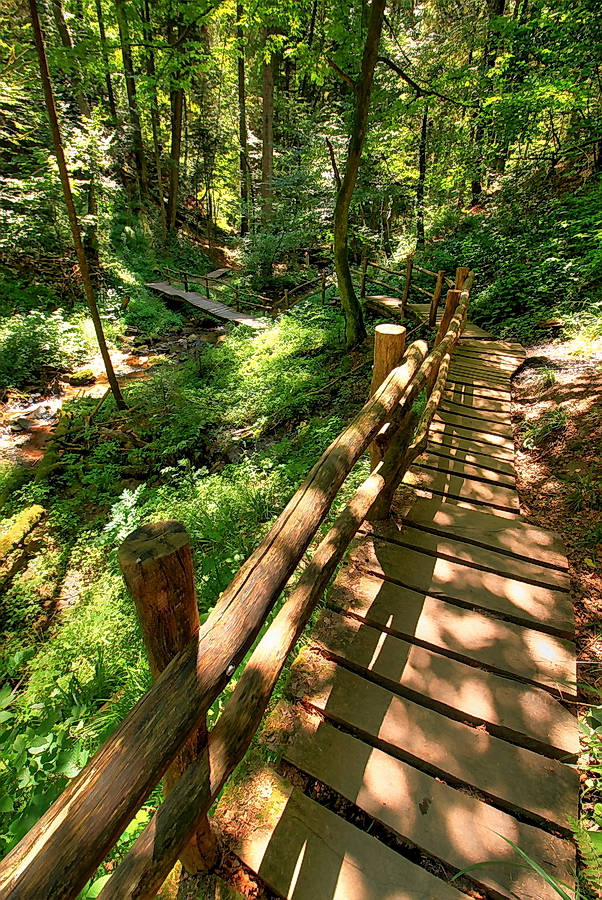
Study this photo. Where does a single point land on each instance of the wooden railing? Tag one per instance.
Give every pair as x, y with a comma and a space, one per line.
434, 296
63, 850
242, 297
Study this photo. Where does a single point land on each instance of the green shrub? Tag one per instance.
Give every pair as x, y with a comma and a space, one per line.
37, 343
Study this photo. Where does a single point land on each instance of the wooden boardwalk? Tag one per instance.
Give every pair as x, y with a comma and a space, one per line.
211, 307
428, 728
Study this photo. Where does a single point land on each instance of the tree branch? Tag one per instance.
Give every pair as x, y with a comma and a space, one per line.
422, 91
333, 160
342, 75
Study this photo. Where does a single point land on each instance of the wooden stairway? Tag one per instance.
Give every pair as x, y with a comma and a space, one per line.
429, 730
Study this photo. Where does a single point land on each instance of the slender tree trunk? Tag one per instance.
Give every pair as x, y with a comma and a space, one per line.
245, 174
74, 73
130, 84
105, 59
75, 230
495, 10
421, 180
267, 153
155, 119
354, 321
177, 110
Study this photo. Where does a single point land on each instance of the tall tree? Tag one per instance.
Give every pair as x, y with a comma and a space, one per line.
355, 330
75, 230
130, 85
105, 59
245, 172
267, 131
421, 179
177, 109
155, 119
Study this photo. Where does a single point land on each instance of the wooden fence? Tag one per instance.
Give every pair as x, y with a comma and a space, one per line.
411, 267
165, 736
243, 298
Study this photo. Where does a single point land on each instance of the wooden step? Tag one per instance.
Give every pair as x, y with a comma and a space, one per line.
541, 608
495, 432
510, 348
513, 778
450, 546
518, 539
464, 439
450, 825
303, 851
472, 637
483, 390
463, 467
480, 459
451, 687
470, 413
473, 401
454, 425
486, 495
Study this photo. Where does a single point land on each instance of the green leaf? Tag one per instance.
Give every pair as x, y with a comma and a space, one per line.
6, 804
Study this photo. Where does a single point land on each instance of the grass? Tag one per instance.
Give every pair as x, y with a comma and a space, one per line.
536, 432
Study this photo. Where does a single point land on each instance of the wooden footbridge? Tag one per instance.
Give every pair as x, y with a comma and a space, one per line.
426, 729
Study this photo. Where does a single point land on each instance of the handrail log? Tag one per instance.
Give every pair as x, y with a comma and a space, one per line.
427, 372
150, 859
87, 819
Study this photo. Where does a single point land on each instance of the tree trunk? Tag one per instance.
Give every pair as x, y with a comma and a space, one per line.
421, 181
130, 84
245, 174
74, 73
177, 110
354, 321
155, 120
267, 153
105, 59
75, 230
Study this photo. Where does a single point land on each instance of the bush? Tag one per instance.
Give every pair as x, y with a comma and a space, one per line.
32, 344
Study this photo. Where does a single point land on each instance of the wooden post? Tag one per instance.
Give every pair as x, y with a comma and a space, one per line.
207, 288
323, 288
156, 562
453, 298
406, 290
364, 270
461, 276
236, 301
285, 304
389, 345
436, 298
186, 281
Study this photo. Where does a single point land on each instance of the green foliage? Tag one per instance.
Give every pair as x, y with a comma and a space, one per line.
585, 492
535, 432
33, 344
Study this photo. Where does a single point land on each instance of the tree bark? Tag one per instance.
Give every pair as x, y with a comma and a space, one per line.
105, 59
267, 153
354, 321
245, 174
155, 120
75, 230
421, 181
177, 110
130, 84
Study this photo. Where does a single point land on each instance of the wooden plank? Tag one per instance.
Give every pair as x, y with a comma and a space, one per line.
506, 364
503, 347
476, 390
541, 608
450, 546
493, 433
303, 851
480, 415
481, 375
453, 826
518, 539
452, 687
461, 487
464, 469
466, 398
514, 778
472, 637
463, 439
217, 273
478, 459
209, 306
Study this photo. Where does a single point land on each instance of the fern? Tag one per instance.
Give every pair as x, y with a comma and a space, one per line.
590, 850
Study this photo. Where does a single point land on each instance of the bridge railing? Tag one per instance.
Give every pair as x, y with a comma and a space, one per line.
435, 296
63, 850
